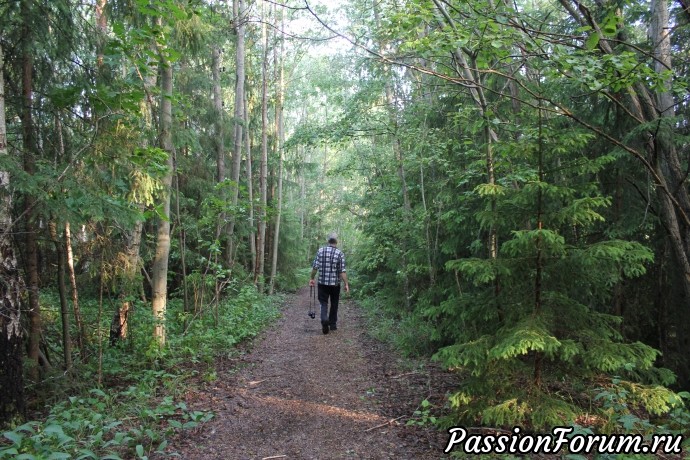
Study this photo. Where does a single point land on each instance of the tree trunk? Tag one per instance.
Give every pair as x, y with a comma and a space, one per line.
102, 24
250, 188
159, 276
220, 131
30, 241
81, 333
280, 142
11, 291
263, 174
238, 10
183, 248
662, 147
62, 291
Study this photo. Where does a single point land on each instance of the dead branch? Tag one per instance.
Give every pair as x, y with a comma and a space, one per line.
389, 422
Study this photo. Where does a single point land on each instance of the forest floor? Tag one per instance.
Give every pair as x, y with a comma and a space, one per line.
300, 394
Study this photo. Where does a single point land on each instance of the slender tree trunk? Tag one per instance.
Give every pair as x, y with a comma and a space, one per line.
183, 248
539, 263
30, 239
81, 333
62, 262
238, 11
263, 174
220, 134
102, 23
250, 188
159, 276
99, 335
280, 135
11, 291
302, 193
427, 229
62, 291
664, 150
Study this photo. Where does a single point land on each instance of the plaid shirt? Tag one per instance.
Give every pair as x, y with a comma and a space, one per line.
330, 262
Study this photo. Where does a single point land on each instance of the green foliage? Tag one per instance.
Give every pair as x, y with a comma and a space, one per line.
241, 317
103, 426
134, 422
422, 416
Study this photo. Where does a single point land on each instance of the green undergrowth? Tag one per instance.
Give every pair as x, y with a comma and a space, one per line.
139, 404
408, 334
591, 403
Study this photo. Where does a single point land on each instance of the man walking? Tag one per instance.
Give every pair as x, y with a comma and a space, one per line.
330, 264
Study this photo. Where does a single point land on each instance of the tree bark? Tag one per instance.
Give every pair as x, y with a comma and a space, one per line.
280, 142
250, 188
664, 150
30, 240
159, 276
183, 248
11, 291
62, 291
238, 11
102, 24
81, 333
263, 174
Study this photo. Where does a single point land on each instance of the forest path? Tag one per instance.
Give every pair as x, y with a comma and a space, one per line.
302, 394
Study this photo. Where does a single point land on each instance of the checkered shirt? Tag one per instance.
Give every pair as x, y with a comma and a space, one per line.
330, 262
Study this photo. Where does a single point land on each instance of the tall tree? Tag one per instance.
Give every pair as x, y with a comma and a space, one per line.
279, 68
11, 290
159, 275
30, 227
62, 291
239, 19
263, 171
250, 188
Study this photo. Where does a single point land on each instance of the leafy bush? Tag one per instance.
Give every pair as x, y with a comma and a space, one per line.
135, 411
106, 426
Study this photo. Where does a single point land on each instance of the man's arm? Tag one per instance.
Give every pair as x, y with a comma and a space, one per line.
313, 274
343, 276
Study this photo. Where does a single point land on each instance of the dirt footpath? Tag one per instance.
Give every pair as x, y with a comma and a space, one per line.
300, 394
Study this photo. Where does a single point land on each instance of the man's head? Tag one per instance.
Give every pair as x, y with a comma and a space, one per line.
333, 238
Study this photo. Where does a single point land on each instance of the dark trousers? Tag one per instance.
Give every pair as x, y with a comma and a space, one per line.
326, 292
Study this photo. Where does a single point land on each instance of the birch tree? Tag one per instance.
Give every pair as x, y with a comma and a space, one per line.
279, 69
